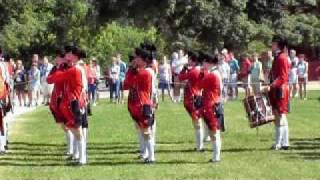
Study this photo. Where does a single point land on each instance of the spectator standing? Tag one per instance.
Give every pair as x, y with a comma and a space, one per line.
224, 70
46, 88
267, 66
244, 74
92, 82
234, 70
34, 84
293, 76
122, 74
257, 75
35, 60
114, 74
165, 77
97, 68
177, 64
20, 83
302, 70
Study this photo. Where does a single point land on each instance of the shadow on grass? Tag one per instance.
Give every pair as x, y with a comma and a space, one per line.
304, 148
100, 154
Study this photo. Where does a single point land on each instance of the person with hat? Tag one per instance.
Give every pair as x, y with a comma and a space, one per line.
55, 101
279, 92
192, 95
152, 69
73, 103
211, 109
139, 83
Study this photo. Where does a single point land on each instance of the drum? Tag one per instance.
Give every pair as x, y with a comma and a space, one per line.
259, 110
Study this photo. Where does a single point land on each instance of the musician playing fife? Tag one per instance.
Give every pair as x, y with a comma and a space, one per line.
279, 92
191, 74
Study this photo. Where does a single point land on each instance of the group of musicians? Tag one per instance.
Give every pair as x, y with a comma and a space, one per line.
202, 98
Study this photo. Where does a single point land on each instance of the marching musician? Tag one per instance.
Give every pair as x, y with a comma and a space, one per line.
152, 68
279, 92
5, 102
73, 103
211, 110
131, 102
56, 99
192, 95
139, 81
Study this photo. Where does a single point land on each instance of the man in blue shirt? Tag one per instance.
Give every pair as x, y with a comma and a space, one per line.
234, 70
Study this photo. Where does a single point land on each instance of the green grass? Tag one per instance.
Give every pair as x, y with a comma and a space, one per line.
38, 145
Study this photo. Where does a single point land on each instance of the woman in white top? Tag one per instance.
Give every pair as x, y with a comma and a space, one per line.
165, 77
302, 70
293, 76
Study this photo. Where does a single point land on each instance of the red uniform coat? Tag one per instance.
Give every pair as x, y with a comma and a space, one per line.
279, 90
191, 89
211, 95
57, 92
73, 90
139, 85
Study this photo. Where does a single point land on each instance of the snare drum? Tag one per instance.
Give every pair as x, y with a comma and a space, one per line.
259, 110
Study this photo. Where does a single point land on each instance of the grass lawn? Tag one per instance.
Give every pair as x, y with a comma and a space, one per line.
37, 147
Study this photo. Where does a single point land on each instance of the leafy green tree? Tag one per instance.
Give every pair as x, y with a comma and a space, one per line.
115, 38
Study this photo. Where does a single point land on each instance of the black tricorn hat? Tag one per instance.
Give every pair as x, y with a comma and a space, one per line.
210, 58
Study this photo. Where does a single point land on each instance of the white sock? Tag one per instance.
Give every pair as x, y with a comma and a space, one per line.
199, 138
153, 132
285, 130
149, 148
75, 148
141, 142
69, 139
2, 139
217, 147
285, 136
205, 130
85, 139
6, 132
278, 137
82, 150
177, 98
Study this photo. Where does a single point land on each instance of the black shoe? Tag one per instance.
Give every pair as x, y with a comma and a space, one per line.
6, 147
69, 158
200, 150
147, 161
213, 161
286, 148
